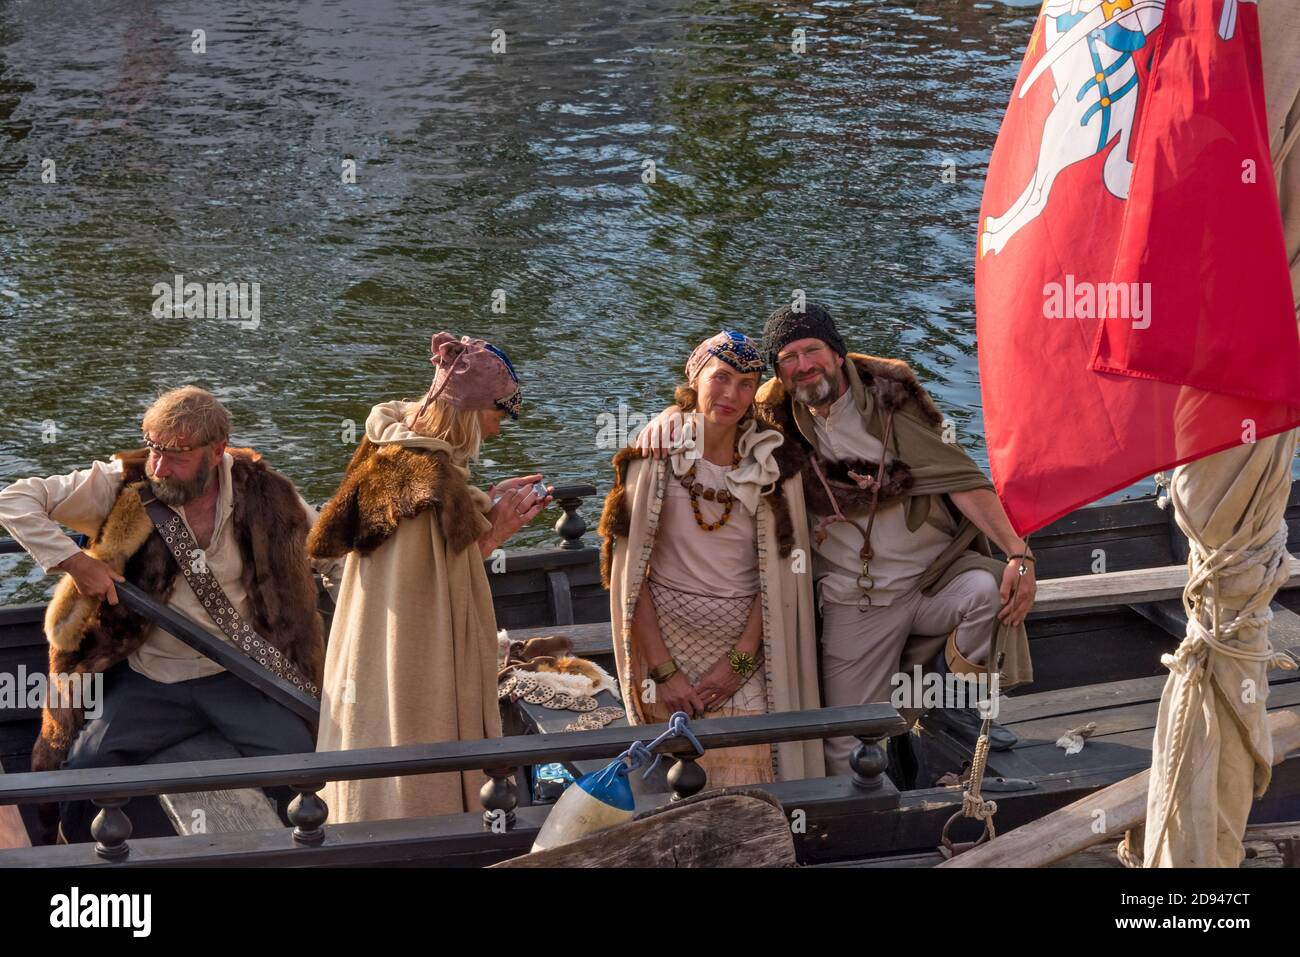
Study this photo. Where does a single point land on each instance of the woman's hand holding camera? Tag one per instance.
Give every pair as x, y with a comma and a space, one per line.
517, 502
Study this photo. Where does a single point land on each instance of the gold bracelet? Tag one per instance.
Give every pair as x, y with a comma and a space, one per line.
661, 673
742, 663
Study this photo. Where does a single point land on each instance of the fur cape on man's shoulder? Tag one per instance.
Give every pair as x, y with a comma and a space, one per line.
87, 636
895, 388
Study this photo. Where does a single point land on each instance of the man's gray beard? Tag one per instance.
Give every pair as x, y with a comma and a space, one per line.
178, 492
819, 394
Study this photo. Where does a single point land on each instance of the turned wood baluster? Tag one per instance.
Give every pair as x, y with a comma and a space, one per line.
571, 524
110, 829
308, 814
868, 762
499, 797
686, 777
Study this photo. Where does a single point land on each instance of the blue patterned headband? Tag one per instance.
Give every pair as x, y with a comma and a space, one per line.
737, 351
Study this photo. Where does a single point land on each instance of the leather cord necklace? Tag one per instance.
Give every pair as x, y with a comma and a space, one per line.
865, 581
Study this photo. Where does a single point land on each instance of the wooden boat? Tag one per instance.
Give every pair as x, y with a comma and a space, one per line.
1108, 608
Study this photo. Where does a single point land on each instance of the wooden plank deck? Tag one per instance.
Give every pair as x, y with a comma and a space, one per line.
1123, 588
1125, 715
1267, 845
213, 812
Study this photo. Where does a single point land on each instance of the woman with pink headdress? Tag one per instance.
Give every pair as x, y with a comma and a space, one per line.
706, 559
413, 645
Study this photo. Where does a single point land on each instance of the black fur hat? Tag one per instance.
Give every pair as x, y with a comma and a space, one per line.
786, 326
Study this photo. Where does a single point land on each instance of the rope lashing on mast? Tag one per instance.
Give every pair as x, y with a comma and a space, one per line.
1206, 568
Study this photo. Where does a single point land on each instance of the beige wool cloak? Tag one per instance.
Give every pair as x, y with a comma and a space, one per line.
413, 644
629, 524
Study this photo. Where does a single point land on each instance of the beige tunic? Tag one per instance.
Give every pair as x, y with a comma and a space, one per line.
32, 510
722, 562
719, 570
899, 556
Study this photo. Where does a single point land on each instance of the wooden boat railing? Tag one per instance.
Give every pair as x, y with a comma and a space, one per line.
494, 835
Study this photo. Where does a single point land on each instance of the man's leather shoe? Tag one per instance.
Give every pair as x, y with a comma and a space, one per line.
965, 724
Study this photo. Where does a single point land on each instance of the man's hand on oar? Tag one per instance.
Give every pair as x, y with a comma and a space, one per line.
92, 577
1013, 613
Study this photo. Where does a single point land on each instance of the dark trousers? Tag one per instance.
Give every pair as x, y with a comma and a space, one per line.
142, 717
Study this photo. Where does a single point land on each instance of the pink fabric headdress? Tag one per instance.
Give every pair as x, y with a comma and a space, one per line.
471, 375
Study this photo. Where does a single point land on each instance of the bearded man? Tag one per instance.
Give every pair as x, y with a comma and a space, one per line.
903, 569
243, 528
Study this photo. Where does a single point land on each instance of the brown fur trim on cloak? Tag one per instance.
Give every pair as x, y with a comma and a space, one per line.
388, 483
616, 518
894, 386
70, 614
88, 637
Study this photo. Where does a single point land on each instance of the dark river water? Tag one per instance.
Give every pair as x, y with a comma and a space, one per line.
851, 170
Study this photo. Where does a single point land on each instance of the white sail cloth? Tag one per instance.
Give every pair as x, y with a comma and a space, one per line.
1212, 753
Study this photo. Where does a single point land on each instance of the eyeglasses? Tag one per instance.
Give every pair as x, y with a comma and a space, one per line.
791, 359
159, 449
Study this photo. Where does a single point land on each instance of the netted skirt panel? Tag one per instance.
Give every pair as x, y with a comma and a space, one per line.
698, 630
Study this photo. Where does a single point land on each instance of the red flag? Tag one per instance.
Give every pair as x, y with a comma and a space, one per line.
1133, 301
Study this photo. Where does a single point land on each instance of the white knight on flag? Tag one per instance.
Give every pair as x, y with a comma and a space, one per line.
1090, 47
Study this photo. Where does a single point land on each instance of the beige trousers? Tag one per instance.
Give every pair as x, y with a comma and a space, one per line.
862, 648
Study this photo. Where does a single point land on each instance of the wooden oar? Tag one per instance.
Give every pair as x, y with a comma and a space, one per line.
222, 652
12, 832
1071, 829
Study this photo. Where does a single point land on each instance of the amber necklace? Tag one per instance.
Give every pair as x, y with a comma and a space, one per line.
698, 491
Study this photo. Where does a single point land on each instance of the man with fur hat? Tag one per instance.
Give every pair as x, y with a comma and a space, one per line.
903, 569
241, 530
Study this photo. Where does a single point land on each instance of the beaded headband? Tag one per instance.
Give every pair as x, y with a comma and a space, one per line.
159, 447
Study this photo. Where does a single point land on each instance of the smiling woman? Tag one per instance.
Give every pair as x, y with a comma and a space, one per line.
710, 614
